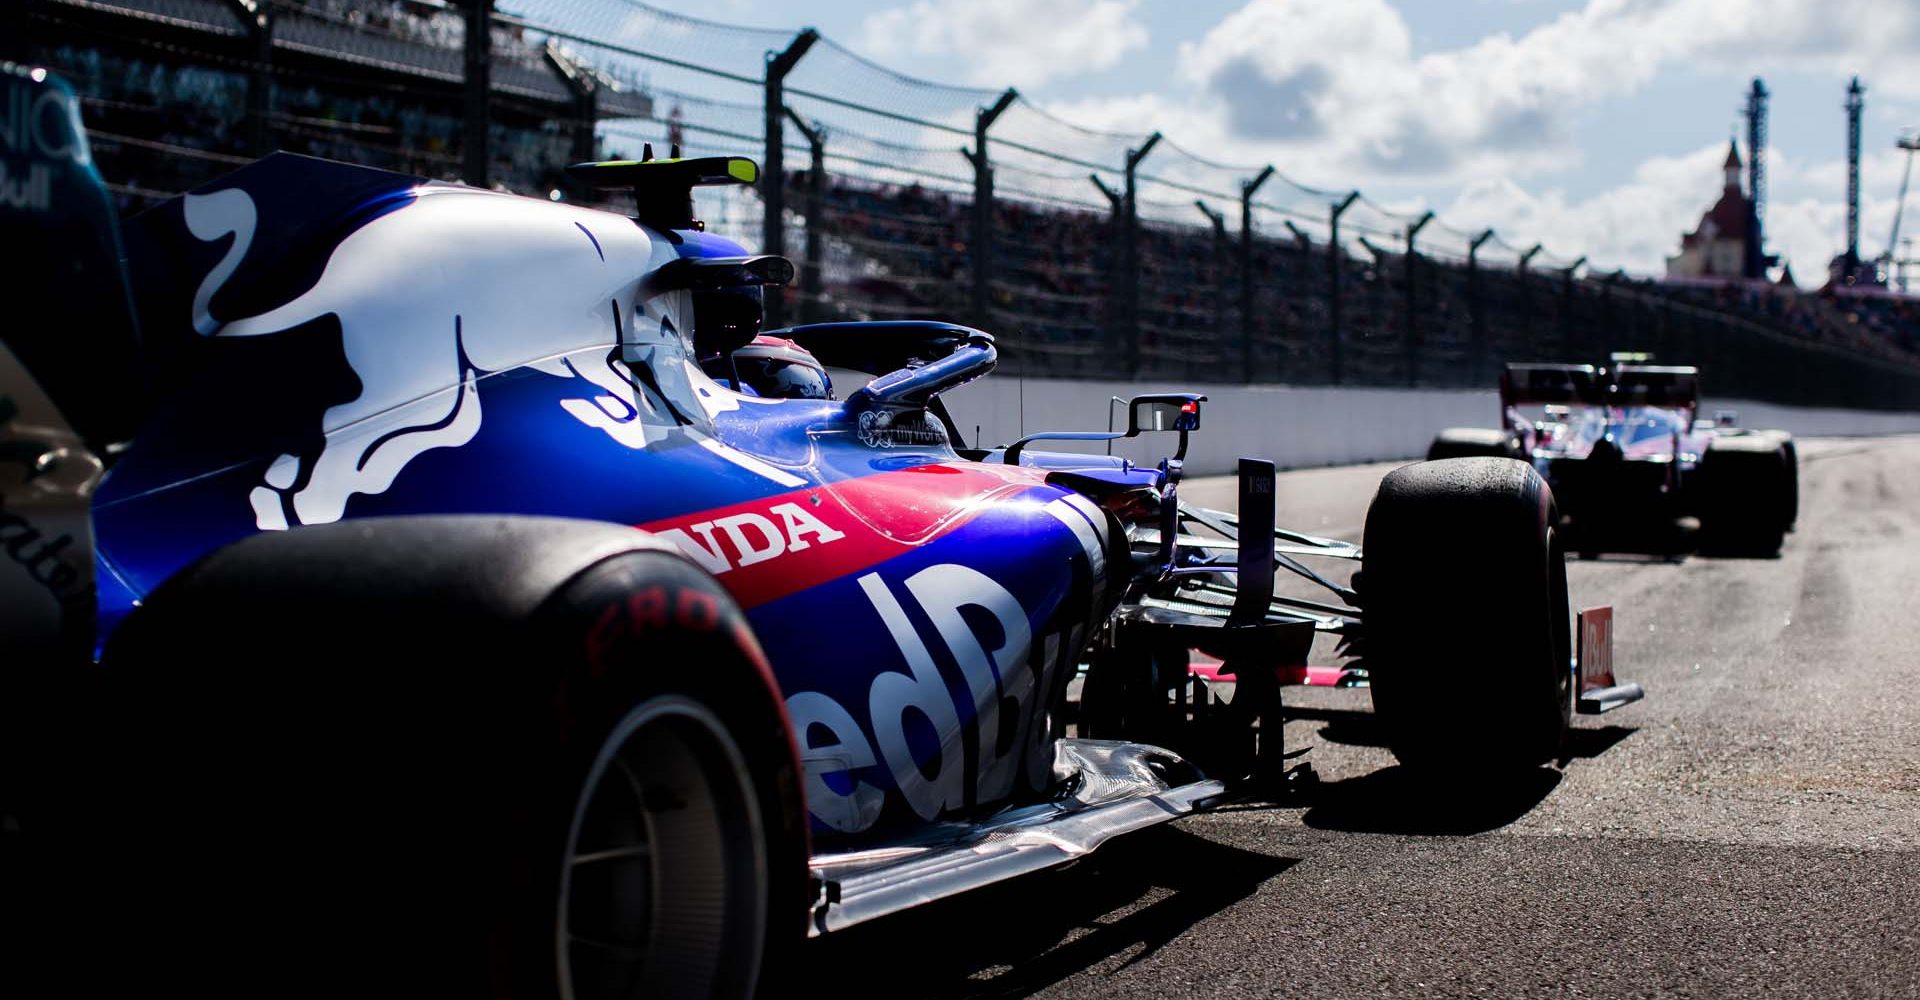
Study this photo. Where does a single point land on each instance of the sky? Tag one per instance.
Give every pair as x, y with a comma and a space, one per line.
1595, 127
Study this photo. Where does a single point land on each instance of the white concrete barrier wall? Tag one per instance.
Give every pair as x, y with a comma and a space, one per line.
1304, 426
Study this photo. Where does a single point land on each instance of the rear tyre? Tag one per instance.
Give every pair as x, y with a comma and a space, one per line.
1468, 628
1472, 442
1749, 495
533, 761
1792, 457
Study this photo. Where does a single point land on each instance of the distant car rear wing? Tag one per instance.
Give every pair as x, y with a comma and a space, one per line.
1622, 385
1655, 385
1540, 384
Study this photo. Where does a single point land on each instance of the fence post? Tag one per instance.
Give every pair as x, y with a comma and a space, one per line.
816, 136
1117, 264
1608, 326
982, 243
1131, 248
584, 85
773, 181
479, 93
1302, 284
1218, 220
1412, 346
1566, 301
1334, 359
1247, 189
1526, 295
259, 20
1476, 314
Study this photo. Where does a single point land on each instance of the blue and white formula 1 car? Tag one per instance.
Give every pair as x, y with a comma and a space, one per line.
1627, 454
460, 630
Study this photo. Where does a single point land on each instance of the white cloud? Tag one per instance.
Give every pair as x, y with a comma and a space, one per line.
1334, 92
1638, 224
1635, 225
1008, 42
1342, 80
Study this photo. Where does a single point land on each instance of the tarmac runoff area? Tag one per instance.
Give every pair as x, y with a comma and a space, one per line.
1751, 829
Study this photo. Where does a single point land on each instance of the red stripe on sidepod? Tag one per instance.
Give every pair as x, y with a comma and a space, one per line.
876, 518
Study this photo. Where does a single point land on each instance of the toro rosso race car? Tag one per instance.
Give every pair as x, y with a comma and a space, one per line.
1627, 454
476, 599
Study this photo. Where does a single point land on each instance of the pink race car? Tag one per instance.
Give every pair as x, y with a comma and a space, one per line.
1626, 454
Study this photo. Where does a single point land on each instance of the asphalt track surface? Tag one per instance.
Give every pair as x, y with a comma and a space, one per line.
1751, 829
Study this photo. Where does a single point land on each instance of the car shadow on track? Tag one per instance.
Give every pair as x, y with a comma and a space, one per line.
1589, 743
1344, 726
1132, 897
1393, 800
1362, 729
1397, 801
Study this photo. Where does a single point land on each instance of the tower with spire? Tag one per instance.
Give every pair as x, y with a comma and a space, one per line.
1717, 247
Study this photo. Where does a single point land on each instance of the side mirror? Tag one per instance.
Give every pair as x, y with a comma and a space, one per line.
1726, 418
1178, 411
1172, 411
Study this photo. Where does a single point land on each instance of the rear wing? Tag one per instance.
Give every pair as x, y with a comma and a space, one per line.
1672, 386
1622, 385
1539, 384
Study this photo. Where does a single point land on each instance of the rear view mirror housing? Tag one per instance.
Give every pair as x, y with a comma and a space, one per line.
1171, 411
1165, 411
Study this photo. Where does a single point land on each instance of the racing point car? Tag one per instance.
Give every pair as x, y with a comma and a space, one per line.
440, 622
1627, 454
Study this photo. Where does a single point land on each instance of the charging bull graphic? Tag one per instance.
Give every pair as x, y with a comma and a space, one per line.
471, 303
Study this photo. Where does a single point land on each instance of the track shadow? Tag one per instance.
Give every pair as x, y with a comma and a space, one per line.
1348, 727
1654, 542
1720, 550
1394, 800
1590, 743
1138, 893
1649, 558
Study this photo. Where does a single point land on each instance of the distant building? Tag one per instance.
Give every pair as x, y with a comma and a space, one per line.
1717, 248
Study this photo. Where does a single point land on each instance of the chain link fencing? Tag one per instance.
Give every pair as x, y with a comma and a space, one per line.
1090, 253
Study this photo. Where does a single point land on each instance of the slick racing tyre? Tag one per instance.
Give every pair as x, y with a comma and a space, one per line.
1468, 630
447, 756
1749, 494
1791, 454
1472, 442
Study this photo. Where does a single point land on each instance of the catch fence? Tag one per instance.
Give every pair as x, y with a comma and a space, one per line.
1088, 252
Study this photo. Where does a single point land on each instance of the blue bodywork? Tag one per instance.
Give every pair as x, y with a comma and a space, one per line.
922, 613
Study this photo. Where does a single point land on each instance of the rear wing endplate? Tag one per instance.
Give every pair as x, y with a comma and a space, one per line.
1600, 691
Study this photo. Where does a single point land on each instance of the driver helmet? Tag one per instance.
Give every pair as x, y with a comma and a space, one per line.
778, 368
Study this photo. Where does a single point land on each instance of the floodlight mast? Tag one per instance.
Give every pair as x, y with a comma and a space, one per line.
1911, 143
1856, 100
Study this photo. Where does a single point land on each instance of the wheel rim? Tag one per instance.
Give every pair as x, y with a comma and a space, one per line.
663, 883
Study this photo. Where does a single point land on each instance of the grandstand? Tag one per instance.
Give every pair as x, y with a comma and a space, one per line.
1098, 262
